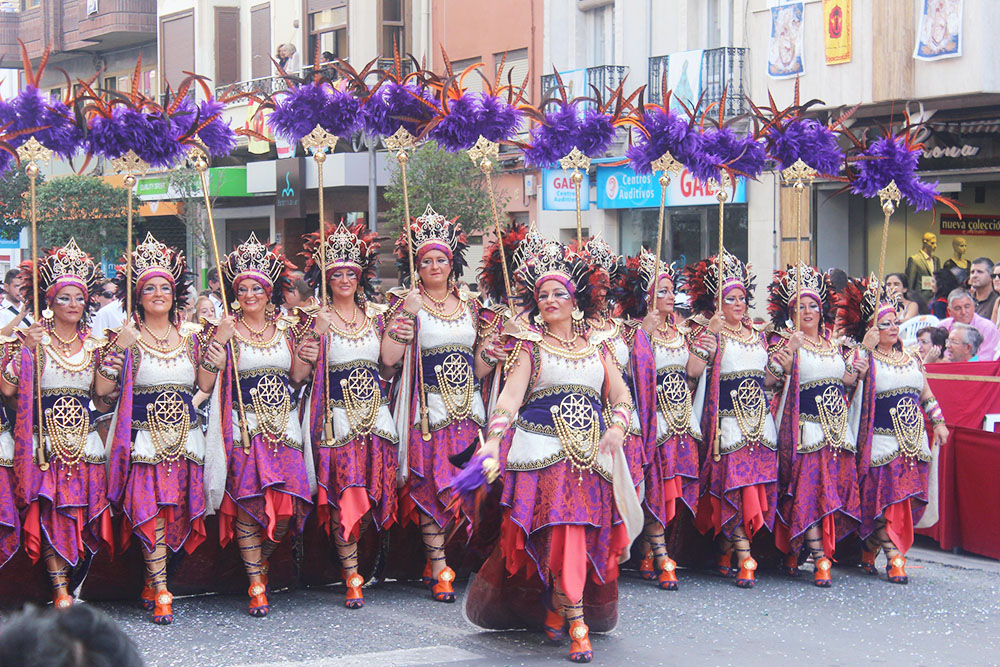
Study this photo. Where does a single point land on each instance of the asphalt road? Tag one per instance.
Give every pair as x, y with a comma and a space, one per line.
948, 614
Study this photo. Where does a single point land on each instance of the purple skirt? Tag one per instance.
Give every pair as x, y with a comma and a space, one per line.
431, 473
740, 488
540, 500
368, 464
10, 524
178, 496
635, 455
253, 480
822, 485
71, 513
892, 483
672, 475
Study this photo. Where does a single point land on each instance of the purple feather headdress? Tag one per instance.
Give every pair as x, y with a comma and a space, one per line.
662, 132
723, 150
393, 105
204, 123
891, 159
806, 139
60, 133
554, 138
148, 131
299, 110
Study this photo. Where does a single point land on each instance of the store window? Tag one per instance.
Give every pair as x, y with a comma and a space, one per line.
328, 31
690, 233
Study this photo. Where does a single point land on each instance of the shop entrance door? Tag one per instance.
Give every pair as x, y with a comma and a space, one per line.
686, 237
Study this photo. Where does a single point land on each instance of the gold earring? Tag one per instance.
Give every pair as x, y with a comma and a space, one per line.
269, 310
538, 319
236, 305
577, 314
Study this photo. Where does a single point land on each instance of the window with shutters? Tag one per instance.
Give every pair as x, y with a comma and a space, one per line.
328, 32
514, 69
473, 82
260, 41
393, 27
227, 45
177, 31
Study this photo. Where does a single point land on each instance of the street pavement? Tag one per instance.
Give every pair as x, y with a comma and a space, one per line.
948, 614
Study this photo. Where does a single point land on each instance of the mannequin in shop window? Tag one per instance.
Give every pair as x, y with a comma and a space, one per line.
957, 259
921, 266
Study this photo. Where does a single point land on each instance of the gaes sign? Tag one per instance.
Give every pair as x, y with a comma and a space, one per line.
558, 193
620, 187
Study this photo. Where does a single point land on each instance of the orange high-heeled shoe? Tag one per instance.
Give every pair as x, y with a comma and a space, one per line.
555, 626
355, 598
63, 601
647, 568
897, 570
442, 590
579, 648
868, 562
258, 600
668, 575
163, 612
745, 577
148, 597
821, 575
724, 565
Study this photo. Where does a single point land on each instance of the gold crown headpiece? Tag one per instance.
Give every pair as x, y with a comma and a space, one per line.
68, 265
253, 259
152, 257
648, 267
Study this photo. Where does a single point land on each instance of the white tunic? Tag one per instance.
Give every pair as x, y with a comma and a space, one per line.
738, 358
826, 368
891, 382
672, 356
443, 336
343, 351
273, 354
56, 377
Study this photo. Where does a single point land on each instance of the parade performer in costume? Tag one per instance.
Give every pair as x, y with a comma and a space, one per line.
267, 487
67, 515
672, 455
818, 486
894, 454
157, 455
439, 409
632, 354
739, 490
567, 487
356, 467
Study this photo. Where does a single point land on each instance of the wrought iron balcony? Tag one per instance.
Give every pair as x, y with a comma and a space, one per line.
581, 83
722, 69
265, 85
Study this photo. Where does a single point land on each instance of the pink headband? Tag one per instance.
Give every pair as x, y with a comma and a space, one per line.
427, 246
730, 285
559, 277
884, 309
343, 264
154, 272
809, 293
256, 276
66, 281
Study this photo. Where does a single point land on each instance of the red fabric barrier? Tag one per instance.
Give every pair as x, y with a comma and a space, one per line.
968, 497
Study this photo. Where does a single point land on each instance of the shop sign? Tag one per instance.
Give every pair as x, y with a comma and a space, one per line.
558, 193
620, 187
970, 225
289, 188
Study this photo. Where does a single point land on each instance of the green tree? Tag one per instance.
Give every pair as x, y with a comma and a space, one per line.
449, 182
13, 191
86, 208
185, 188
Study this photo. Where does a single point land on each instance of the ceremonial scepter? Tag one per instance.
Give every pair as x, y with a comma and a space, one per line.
572, 164
799, 175
721, 195
668, 166
399, 143
32, 152
319, 141
200, 161
131, 165
483, 154
889, 196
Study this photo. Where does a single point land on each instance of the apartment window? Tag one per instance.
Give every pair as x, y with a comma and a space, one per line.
601, 29
515, 69
30, 4
110, 83
227, 45
56, 93
473, 82
260, 41
177, 30
393, 27
328, 31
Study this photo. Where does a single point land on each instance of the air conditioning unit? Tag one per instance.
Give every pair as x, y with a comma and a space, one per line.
529, 185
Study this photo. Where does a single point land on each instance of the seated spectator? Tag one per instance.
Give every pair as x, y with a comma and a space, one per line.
74, 637
913, 301
963, 343
962, 310
930, 344
944, 282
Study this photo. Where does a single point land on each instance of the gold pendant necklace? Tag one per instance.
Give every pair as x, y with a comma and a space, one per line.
256, 334
159, 342
354, 316
568, 343
440, 303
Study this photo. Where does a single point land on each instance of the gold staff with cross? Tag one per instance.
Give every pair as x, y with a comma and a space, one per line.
720, 186
799, 176
33, 152
484, 154
668, 167
572, 164
131, 165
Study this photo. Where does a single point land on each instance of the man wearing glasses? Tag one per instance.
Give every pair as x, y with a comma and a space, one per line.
110, 315
962, 310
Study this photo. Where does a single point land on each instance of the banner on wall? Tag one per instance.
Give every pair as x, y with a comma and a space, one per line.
620, 187
970, 224
837, 23
939, 31
784, 57
558, 193
684, 79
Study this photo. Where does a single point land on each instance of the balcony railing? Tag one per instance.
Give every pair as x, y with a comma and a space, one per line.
581, 83
265, 85
722, 69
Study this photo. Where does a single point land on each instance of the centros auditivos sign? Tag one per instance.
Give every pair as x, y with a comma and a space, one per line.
620, 187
